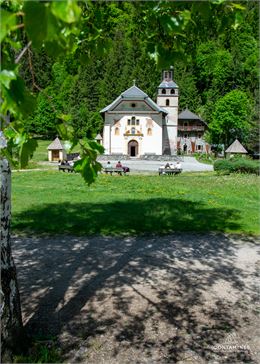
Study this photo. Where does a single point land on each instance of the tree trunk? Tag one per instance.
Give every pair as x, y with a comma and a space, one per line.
12, 336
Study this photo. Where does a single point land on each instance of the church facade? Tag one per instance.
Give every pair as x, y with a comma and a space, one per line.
135, 125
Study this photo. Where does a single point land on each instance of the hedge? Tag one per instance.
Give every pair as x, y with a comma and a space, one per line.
241, 165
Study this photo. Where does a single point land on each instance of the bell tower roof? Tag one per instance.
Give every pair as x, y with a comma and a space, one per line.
170, 84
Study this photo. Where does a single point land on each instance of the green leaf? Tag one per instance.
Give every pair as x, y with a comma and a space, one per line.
8, 23
6, 77
27, 150
65, 131
68, 11
218, 2
88, 168
54, 48
96, 146
35, 21
238, 20
65, 117
238, 6
17, 99
9, 133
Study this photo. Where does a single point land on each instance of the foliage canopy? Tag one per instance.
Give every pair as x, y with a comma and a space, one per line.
57, 77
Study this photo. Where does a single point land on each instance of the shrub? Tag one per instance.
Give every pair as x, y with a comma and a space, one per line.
203, 158
40, 353
222, 165
237, 165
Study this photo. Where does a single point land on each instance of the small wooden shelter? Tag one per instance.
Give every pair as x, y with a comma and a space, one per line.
99, 139
56, 151
236, 148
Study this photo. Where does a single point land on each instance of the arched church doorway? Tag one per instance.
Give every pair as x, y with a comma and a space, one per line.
133, 148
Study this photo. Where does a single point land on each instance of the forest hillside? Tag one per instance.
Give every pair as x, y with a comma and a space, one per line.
215, 63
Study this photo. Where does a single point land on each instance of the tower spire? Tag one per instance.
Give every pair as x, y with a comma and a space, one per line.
168, 75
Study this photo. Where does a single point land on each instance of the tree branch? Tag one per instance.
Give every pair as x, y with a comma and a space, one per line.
17, 60
31, 67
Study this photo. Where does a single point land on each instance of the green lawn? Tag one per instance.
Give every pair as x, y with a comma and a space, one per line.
55, 202
41, 153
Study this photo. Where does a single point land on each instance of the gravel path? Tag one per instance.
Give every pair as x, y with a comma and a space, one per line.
189, 164
183, 298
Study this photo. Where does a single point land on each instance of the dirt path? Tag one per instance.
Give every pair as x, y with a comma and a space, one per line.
184, 298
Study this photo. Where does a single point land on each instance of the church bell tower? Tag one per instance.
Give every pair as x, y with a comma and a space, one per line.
168, 99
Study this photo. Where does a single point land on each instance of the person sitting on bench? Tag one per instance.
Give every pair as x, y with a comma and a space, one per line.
119, 165
178, 165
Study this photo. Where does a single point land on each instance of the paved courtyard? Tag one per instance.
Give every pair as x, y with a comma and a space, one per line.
183, 298
189, 164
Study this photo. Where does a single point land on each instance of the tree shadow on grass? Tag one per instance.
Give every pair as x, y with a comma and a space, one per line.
154, 297
126, 217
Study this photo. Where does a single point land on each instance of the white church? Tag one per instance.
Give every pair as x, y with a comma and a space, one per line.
136, 126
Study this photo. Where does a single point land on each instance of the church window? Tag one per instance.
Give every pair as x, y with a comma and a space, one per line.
133, 120
128, 122
137, 122
133, 105
198, 147
116, 131
172, 91
163, 91
132, 130
149, 131
167, 102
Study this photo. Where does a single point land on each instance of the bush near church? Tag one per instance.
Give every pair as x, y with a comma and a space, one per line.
239, 165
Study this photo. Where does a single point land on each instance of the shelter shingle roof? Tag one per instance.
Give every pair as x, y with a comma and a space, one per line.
236, 147
98, 137
55, 145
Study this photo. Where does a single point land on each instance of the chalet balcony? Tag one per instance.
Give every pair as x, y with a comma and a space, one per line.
191, 128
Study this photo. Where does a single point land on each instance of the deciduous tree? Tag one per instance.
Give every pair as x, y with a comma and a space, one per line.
231, 118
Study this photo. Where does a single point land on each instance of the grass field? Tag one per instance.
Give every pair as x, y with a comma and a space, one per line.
41, 153
60, 203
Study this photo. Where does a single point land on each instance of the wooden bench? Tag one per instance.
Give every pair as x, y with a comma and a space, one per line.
66, 167
114, 170
170, 171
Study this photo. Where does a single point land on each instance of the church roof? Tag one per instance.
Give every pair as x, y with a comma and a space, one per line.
188, 115
55, 145
168, 84
236, 147
134, 93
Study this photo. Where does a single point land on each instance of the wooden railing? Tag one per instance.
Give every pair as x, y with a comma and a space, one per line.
191, 128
